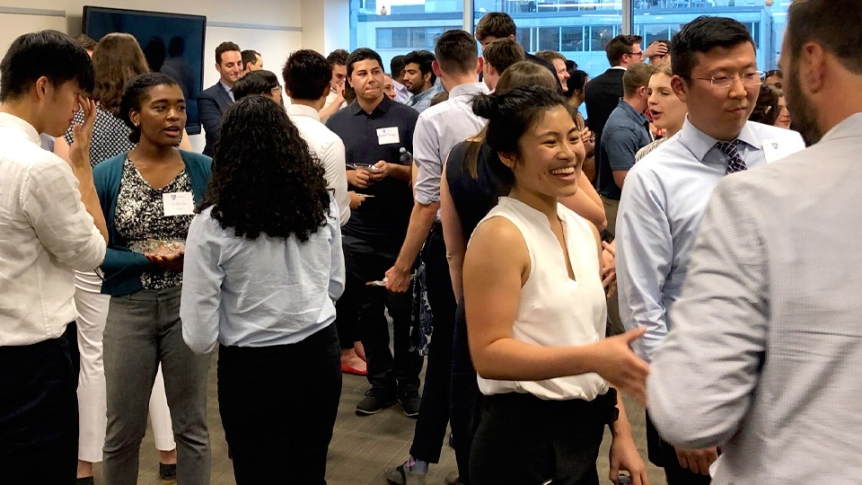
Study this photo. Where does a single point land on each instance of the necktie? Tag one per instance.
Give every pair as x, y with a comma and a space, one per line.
736, 163
230, 93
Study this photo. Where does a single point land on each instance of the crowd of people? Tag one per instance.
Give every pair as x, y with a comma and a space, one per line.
671, 246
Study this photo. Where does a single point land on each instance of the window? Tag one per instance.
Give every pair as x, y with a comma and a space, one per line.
549, 39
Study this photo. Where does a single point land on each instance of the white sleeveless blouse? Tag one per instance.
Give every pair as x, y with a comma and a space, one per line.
554, 309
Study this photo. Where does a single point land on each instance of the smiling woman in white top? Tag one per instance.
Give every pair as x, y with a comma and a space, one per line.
263, 268
536, 310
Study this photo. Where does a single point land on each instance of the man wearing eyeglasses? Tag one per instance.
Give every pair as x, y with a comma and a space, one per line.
665, 196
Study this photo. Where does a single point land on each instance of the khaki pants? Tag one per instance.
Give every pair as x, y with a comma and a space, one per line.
611, 208
615, 325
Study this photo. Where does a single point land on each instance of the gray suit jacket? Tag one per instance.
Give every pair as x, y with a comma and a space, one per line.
765, 357
212, 104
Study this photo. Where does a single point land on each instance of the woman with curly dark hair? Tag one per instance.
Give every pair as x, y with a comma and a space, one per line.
148, 195
263, 266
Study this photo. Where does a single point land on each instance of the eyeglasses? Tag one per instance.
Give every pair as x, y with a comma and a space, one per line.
754, 78
276, 88
639, 53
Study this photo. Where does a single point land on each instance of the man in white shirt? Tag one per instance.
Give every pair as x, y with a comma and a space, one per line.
335, 97
764, 355
665, 195
47, 215
439, 128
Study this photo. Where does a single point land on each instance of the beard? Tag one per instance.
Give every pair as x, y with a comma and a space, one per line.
802, 111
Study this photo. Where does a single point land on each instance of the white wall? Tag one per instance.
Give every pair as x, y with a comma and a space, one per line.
275, 28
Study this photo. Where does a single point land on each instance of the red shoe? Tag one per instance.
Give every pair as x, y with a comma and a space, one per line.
351, 370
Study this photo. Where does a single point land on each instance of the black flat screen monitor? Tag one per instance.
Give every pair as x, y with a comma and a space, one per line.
173, 44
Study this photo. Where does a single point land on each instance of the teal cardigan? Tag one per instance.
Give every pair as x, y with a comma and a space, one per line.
122, 267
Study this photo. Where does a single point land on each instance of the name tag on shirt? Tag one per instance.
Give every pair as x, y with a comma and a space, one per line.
178, 204
388, 136
774, 150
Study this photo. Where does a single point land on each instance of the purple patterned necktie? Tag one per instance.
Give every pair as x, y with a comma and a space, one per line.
736, 163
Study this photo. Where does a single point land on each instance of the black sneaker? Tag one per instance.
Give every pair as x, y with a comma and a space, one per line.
168, 473
410, 401
375, 400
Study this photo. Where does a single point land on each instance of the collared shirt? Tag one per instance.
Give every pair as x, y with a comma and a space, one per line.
258, 292
402, 94
45, 234
329, 150
659, 215
227, 89
767, 331
369, 138
440, 128
625, 133
422, 101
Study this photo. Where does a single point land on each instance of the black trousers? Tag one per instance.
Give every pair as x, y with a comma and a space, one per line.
434, 411
38, 414
527, 441
348, 306
465, 399
663, 454
278, 406
388, 372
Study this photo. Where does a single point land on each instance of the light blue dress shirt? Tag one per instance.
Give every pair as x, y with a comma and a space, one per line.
228, 90
422, 101
662, 204
258, 292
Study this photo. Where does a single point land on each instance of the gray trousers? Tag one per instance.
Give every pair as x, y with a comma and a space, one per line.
144, 329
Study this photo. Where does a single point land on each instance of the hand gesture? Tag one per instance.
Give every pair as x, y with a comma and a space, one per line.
381, 171
625, 457
619, 365
79, 151
356, 200
168, 262
698, 461
359, 178
656, 49
609, 268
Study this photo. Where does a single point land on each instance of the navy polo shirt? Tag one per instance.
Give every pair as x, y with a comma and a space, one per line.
368, 138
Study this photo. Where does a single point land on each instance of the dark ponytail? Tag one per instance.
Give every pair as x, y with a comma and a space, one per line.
134, 94
509, 116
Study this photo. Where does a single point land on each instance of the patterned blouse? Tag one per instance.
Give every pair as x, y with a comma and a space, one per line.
110, 136
140, 217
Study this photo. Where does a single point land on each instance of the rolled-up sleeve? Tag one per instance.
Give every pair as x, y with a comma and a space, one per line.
621, 146
703, 379
52, 204
426, 154
202, 281
644, 258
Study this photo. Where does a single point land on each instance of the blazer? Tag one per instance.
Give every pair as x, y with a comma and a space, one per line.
602, 97
212, 105
122, 267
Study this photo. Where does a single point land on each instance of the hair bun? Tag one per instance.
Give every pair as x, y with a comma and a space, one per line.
485, 106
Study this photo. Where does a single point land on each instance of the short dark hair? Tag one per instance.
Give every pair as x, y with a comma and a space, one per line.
510, 115
503, 53
338, 57
577, 82
620, 46
307, 75
249, 56
833, 24
457, 52
256, 82
135, 94
48, 53
396, 65
637, 77
495, 24
362, 54
766, 110
423, 59
700, 36
264, 178
226, 47
85, 41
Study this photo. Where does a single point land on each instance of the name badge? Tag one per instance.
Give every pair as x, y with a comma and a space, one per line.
774, 150
179, 204
388, 136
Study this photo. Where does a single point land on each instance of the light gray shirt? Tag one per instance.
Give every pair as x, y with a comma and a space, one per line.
440, 128
659, 215
258, 292
765, 357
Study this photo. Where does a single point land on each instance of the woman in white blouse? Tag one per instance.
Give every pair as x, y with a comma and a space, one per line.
536, 311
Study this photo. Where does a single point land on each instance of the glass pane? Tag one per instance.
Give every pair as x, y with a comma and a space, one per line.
549, 39
572, 39
661, 19
396, 27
